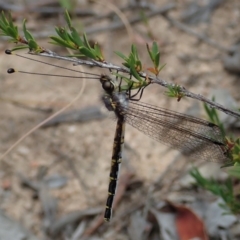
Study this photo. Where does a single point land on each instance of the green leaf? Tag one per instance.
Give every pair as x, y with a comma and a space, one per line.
3, 25
61, 42
76, 38
32, 45
126, 64
174, 91
27, 34
154, 54
207, 110
12, 32
150, 53
11, 21
57, 30
155, 49
4, 19
223, 190
3, 28
70, 38
133, 49
134, 52
98, 52
64, 34
7, 27
16, 32
66, 15
88, 53
157, 59
132, 61
121, 55
85, 40
134, 72
213, 116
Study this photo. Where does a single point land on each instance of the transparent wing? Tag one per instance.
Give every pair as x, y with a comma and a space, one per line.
192, 136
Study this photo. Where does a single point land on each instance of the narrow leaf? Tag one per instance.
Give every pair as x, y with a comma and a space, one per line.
134, 72
57, 30
85, 40
98, 52
4, 19
32, 45
134, 49
76, 38
12, 33
121, 55
150, 53
27, 34
126, 64
10, 21
155, 49
135, 52
157, 59
68, 19
86, 52
60, 42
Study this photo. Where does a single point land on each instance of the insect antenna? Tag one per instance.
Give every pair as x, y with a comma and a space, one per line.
12, 70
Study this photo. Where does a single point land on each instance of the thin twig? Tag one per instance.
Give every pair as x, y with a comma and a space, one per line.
155, 80
199, 97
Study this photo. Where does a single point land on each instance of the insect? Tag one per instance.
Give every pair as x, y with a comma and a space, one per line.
192, 136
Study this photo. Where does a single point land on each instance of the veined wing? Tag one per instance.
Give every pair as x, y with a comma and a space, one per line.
192, 136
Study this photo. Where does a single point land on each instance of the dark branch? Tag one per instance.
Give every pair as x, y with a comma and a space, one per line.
142, 74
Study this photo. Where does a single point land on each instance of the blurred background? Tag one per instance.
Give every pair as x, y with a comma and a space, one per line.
54, 183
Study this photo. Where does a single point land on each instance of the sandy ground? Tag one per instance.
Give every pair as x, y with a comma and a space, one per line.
88, 145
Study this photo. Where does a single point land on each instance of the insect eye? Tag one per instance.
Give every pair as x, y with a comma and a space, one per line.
108, 86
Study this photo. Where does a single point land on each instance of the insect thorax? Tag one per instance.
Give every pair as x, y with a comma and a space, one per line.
116, 102
107, 100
